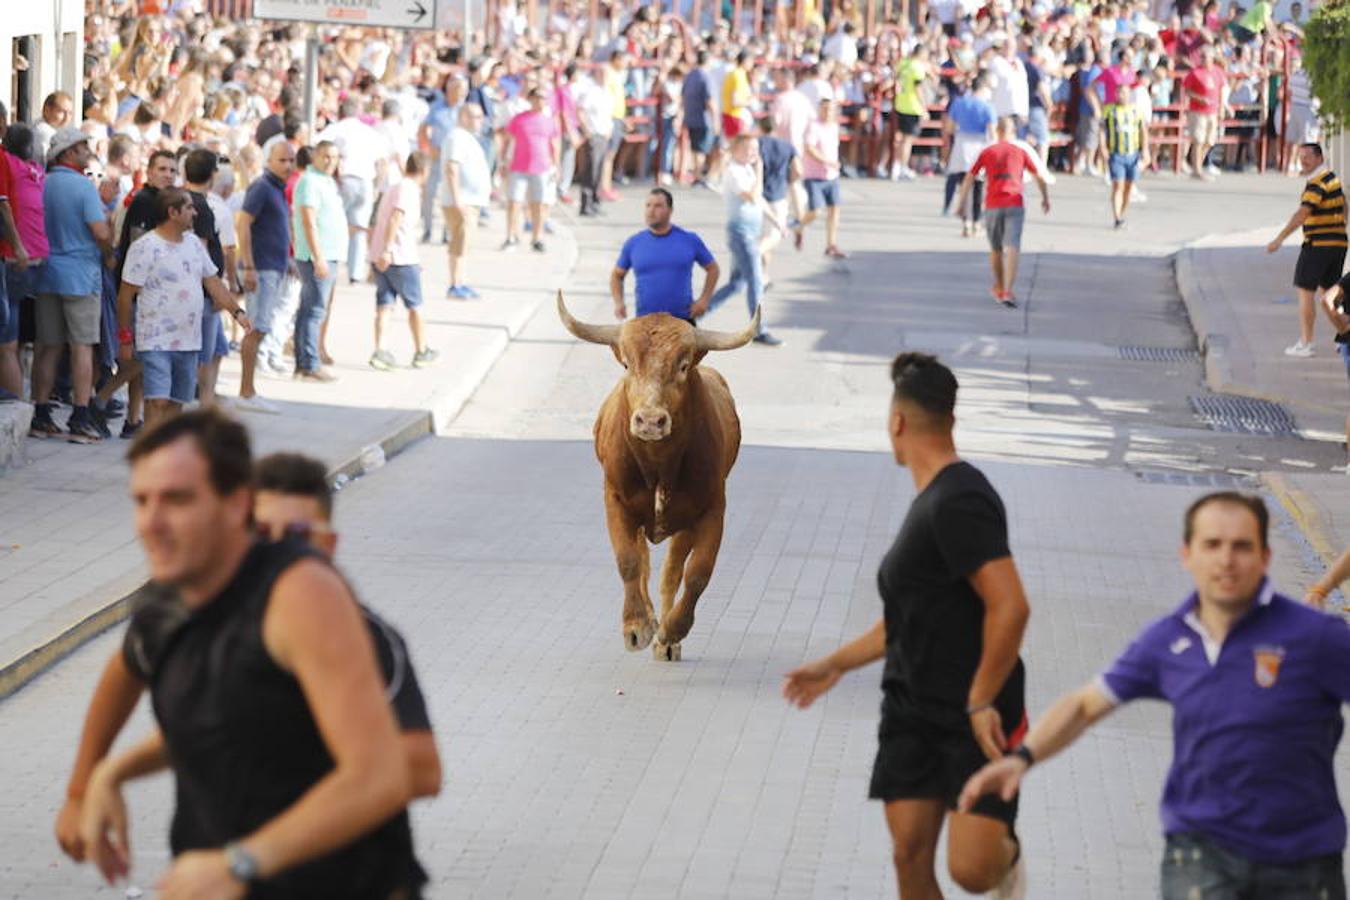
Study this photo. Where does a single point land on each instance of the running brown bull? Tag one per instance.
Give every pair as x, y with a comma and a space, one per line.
666, 437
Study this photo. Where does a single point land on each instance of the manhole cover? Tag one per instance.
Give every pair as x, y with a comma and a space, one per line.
1244, 415
1159, 354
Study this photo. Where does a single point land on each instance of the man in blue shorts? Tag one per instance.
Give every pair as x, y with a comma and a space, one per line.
1256, 681
662, 260
700, 114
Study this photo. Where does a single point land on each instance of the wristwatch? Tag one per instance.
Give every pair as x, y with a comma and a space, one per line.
243, 865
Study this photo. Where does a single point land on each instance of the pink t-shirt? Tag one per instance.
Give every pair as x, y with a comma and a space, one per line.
792, 113
405, 195
823, 137
1112, 79
532, 136
26, 202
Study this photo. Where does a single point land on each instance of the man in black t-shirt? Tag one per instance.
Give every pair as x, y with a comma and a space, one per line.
952, 688
1336, 304
199, 168
292, 502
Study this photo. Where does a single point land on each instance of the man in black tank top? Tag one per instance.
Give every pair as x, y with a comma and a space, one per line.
952, 687
292, 500
289, 778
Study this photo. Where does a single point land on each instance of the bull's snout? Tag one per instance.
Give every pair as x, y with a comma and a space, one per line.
650, 424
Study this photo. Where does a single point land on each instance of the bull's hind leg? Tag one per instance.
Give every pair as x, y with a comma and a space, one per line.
630, 554
705, 540
672, 572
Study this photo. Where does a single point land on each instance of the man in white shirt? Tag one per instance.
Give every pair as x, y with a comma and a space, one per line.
360, 148
466, 187
597, 125
792, 110
841, 46
1012, 92
165, 272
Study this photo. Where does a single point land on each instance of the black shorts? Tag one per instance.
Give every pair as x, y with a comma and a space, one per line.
908, 124
920, 758
1318, 267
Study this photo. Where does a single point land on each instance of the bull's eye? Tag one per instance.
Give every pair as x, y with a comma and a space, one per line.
684, 366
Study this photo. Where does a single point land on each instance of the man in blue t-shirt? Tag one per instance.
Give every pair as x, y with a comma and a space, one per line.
662, 260
1256, 682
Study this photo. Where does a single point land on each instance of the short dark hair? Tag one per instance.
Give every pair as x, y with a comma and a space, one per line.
303, 157
158, 154
200, 166
416, 164
222, 441
297, 475
145, 113
919, 378
170, 198
670, 199
1314, 147
1250, 502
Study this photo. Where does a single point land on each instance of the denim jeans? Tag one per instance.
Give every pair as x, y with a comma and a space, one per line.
743, 233
314, 294
1194, 866
666, 152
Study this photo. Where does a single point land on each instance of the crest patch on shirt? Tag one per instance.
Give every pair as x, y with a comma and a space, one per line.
1268, 661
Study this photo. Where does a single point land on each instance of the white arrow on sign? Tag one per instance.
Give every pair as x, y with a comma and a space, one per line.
372, 13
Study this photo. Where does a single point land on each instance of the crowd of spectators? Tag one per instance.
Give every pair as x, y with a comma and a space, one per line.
414, 136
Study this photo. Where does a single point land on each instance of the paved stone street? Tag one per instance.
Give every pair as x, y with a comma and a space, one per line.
574, 769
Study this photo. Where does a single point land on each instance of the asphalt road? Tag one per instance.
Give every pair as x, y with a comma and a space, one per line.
574, 769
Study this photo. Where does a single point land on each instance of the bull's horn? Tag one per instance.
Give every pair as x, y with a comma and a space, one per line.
728, 340
596, 334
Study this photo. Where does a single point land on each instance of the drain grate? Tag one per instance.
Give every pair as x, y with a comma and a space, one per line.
1159, 354
1244, 415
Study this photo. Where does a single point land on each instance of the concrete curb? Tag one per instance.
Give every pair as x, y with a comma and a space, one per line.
1308, 517
15, 418
110, 605
1221, 353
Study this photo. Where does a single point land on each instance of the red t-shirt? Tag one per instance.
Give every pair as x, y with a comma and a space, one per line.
1003, 164
1207, 81
7, 193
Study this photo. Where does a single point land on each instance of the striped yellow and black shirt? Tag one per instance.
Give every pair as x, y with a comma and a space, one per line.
1122, 122
1325, 225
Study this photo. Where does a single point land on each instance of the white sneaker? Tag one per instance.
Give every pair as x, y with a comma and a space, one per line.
1212, 170
1300, 349
258, 404
1014, 884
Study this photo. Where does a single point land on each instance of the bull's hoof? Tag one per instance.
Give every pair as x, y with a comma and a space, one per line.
666, 652
637, 635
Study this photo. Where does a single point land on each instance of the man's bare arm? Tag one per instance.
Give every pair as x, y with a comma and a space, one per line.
314, 629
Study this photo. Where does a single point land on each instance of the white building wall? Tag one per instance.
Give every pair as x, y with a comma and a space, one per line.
58, 27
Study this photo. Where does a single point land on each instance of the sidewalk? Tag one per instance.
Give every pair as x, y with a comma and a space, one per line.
1243, 305
68, 556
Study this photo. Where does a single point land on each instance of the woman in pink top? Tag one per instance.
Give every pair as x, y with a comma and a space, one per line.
26, 177
820, 176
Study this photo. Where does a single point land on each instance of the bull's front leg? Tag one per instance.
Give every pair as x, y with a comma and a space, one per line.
630, 554
706, 540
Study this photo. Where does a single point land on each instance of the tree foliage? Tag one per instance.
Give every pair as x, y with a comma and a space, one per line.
1326, 56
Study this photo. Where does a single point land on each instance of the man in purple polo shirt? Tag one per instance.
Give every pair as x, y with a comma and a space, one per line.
1256, 682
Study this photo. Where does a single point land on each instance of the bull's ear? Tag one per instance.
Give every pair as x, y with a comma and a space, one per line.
618, 354
698, 357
